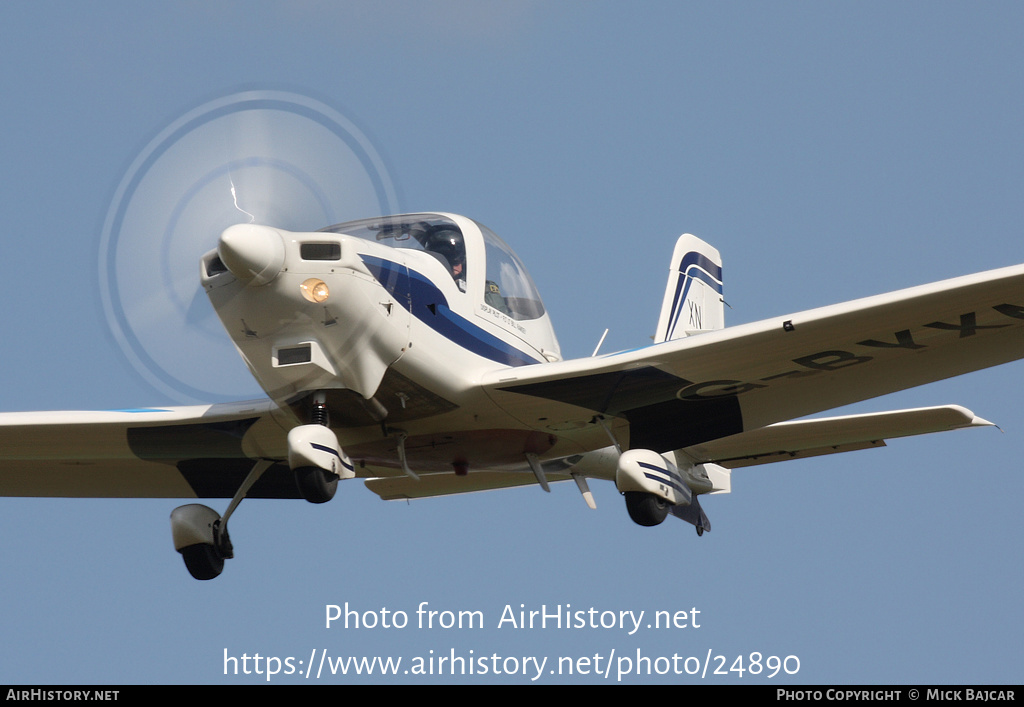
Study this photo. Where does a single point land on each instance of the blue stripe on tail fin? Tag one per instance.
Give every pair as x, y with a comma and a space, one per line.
693, 297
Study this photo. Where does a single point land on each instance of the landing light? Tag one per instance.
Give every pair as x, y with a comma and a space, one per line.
314, 289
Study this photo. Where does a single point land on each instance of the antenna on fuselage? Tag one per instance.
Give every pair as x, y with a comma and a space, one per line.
598, 347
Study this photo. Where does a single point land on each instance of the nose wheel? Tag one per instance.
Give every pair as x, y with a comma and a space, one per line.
315, 484
316, 459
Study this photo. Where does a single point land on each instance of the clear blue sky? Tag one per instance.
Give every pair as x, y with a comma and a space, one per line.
829, 151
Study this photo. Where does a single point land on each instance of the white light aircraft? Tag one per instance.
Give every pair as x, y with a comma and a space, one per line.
414, 352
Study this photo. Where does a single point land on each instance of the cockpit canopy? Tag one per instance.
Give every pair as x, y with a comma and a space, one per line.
481, 264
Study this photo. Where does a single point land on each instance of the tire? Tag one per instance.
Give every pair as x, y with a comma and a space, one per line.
315, 484
645, 508
202, 561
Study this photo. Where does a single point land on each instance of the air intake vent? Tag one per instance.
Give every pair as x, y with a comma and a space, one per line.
215, 266
296, 354
320, 251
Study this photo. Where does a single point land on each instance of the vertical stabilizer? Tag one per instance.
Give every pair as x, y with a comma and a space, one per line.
693, 298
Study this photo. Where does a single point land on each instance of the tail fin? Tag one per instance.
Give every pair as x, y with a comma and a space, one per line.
693, 298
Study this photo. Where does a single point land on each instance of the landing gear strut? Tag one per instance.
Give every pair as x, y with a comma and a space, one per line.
315, 457
201, 534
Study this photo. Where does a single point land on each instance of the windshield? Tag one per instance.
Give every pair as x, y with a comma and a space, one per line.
436, 235
509, 288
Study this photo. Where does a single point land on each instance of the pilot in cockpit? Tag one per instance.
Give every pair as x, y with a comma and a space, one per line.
448, 243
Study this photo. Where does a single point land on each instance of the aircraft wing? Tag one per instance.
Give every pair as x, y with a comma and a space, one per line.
828, 435
724, 382
783, 441
183, 452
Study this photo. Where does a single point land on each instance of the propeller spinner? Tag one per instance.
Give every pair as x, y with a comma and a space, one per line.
254, 254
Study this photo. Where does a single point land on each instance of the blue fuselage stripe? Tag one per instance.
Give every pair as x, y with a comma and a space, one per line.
425, 301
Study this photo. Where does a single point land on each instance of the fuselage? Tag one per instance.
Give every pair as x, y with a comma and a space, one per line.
395, 320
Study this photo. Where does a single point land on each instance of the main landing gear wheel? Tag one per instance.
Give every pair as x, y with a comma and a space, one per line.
315, 484
645, 508
201, 534
202, 561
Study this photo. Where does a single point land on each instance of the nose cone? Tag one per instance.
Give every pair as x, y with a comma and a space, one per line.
253, 254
